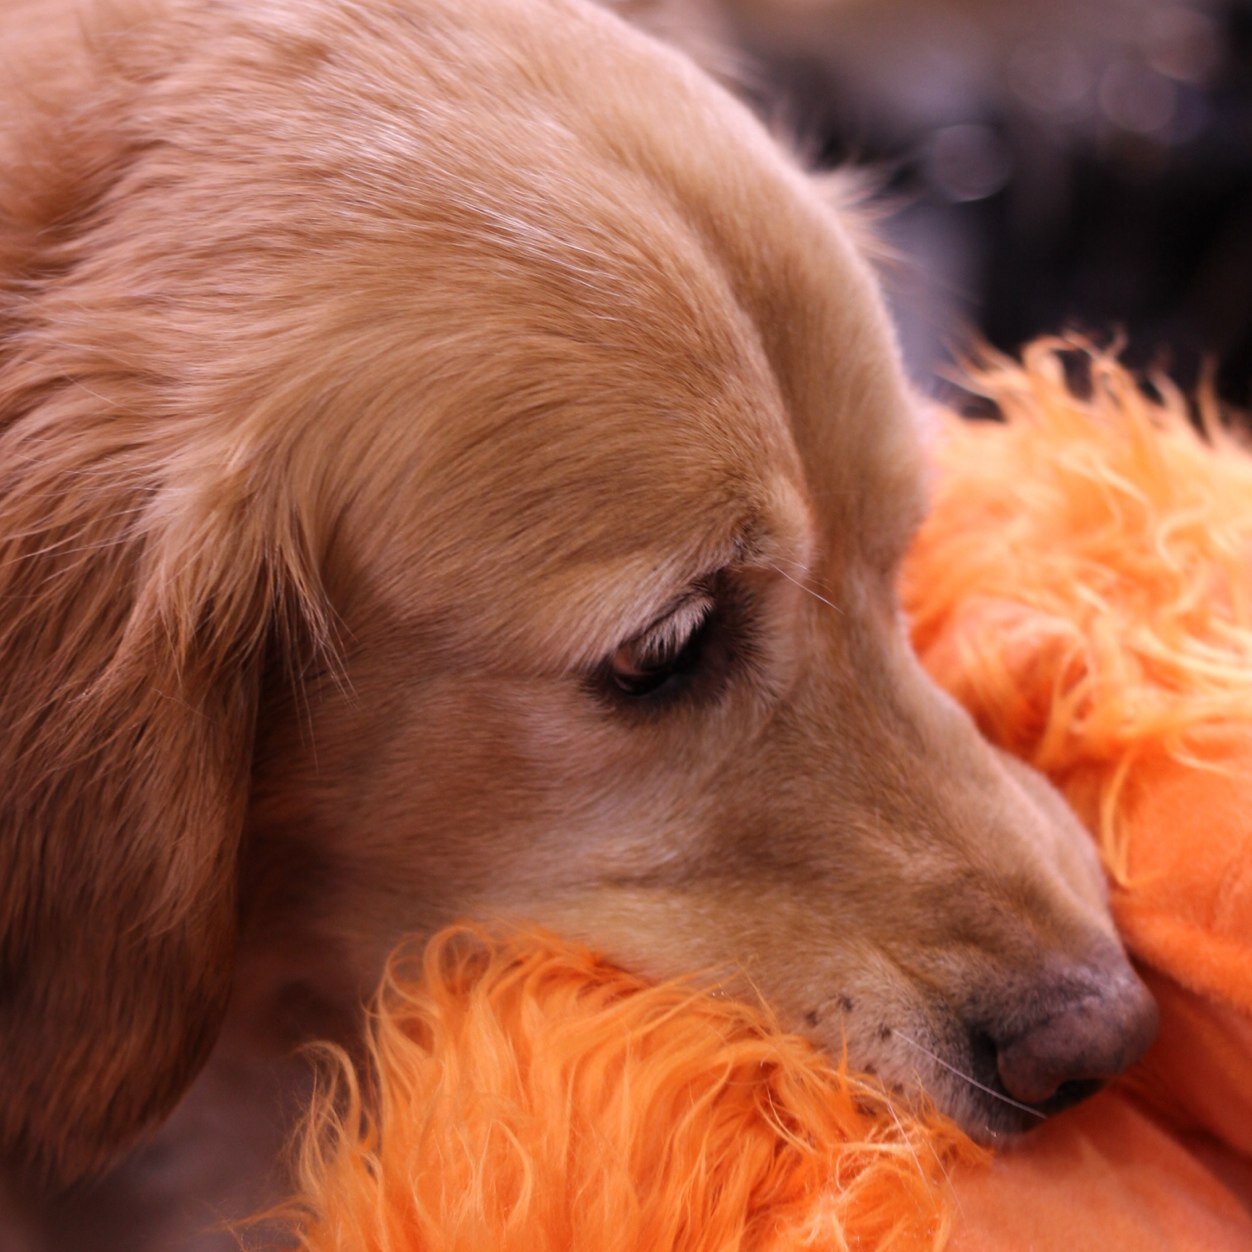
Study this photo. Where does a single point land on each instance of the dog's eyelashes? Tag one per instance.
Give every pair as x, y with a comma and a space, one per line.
661, 660
687, 656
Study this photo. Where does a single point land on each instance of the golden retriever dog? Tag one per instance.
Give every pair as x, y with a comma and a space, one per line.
454, 462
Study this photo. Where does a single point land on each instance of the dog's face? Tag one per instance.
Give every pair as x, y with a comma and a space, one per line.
492, 466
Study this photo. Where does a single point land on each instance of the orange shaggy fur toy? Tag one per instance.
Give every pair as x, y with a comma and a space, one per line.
1085, 588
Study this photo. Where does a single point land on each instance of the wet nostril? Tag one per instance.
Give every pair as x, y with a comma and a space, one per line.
1067, 1054
983, 1053
1070, 1093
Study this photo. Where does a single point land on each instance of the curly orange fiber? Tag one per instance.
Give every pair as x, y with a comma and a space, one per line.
1083, 585
528, 1097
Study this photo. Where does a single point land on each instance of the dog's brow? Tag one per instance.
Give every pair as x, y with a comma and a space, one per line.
664, 592
659, 601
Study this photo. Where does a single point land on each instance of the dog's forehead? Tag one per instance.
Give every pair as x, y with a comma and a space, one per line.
572, 258
595, 474
573, 381
567, 302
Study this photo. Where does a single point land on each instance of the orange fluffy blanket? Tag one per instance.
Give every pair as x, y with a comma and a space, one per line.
1085, 587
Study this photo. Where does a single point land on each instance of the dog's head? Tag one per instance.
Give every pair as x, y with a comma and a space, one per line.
451, 461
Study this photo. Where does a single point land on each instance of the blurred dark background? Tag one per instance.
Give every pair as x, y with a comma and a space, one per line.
1054, 164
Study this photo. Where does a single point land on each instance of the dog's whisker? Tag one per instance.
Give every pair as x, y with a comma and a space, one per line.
907, 1140
807, 575
807, 589
969, 1078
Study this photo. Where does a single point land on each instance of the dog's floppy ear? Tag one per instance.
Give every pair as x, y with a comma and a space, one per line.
131, 670
142, 582
136, 619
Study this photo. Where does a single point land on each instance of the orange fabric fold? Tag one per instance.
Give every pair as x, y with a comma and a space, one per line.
1105, 1176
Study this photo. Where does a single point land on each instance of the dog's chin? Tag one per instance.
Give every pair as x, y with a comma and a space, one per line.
978, 1102
963, 1084
996, 1119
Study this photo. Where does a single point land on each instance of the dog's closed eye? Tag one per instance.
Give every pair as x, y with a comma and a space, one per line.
689, 654
662, 660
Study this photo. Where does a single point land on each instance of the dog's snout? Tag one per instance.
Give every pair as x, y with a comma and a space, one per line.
1078, 1042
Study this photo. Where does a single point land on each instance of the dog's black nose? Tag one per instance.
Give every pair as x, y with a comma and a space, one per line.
1077, 1041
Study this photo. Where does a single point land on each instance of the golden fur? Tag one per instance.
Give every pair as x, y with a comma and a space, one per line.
372, 373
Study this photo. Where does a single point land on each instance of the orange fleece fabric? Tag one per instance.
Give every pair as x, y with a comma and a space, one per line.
1084, 586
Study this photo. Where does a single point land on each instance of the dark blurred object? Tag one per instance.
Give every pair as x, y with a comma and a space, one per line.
1061, 166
